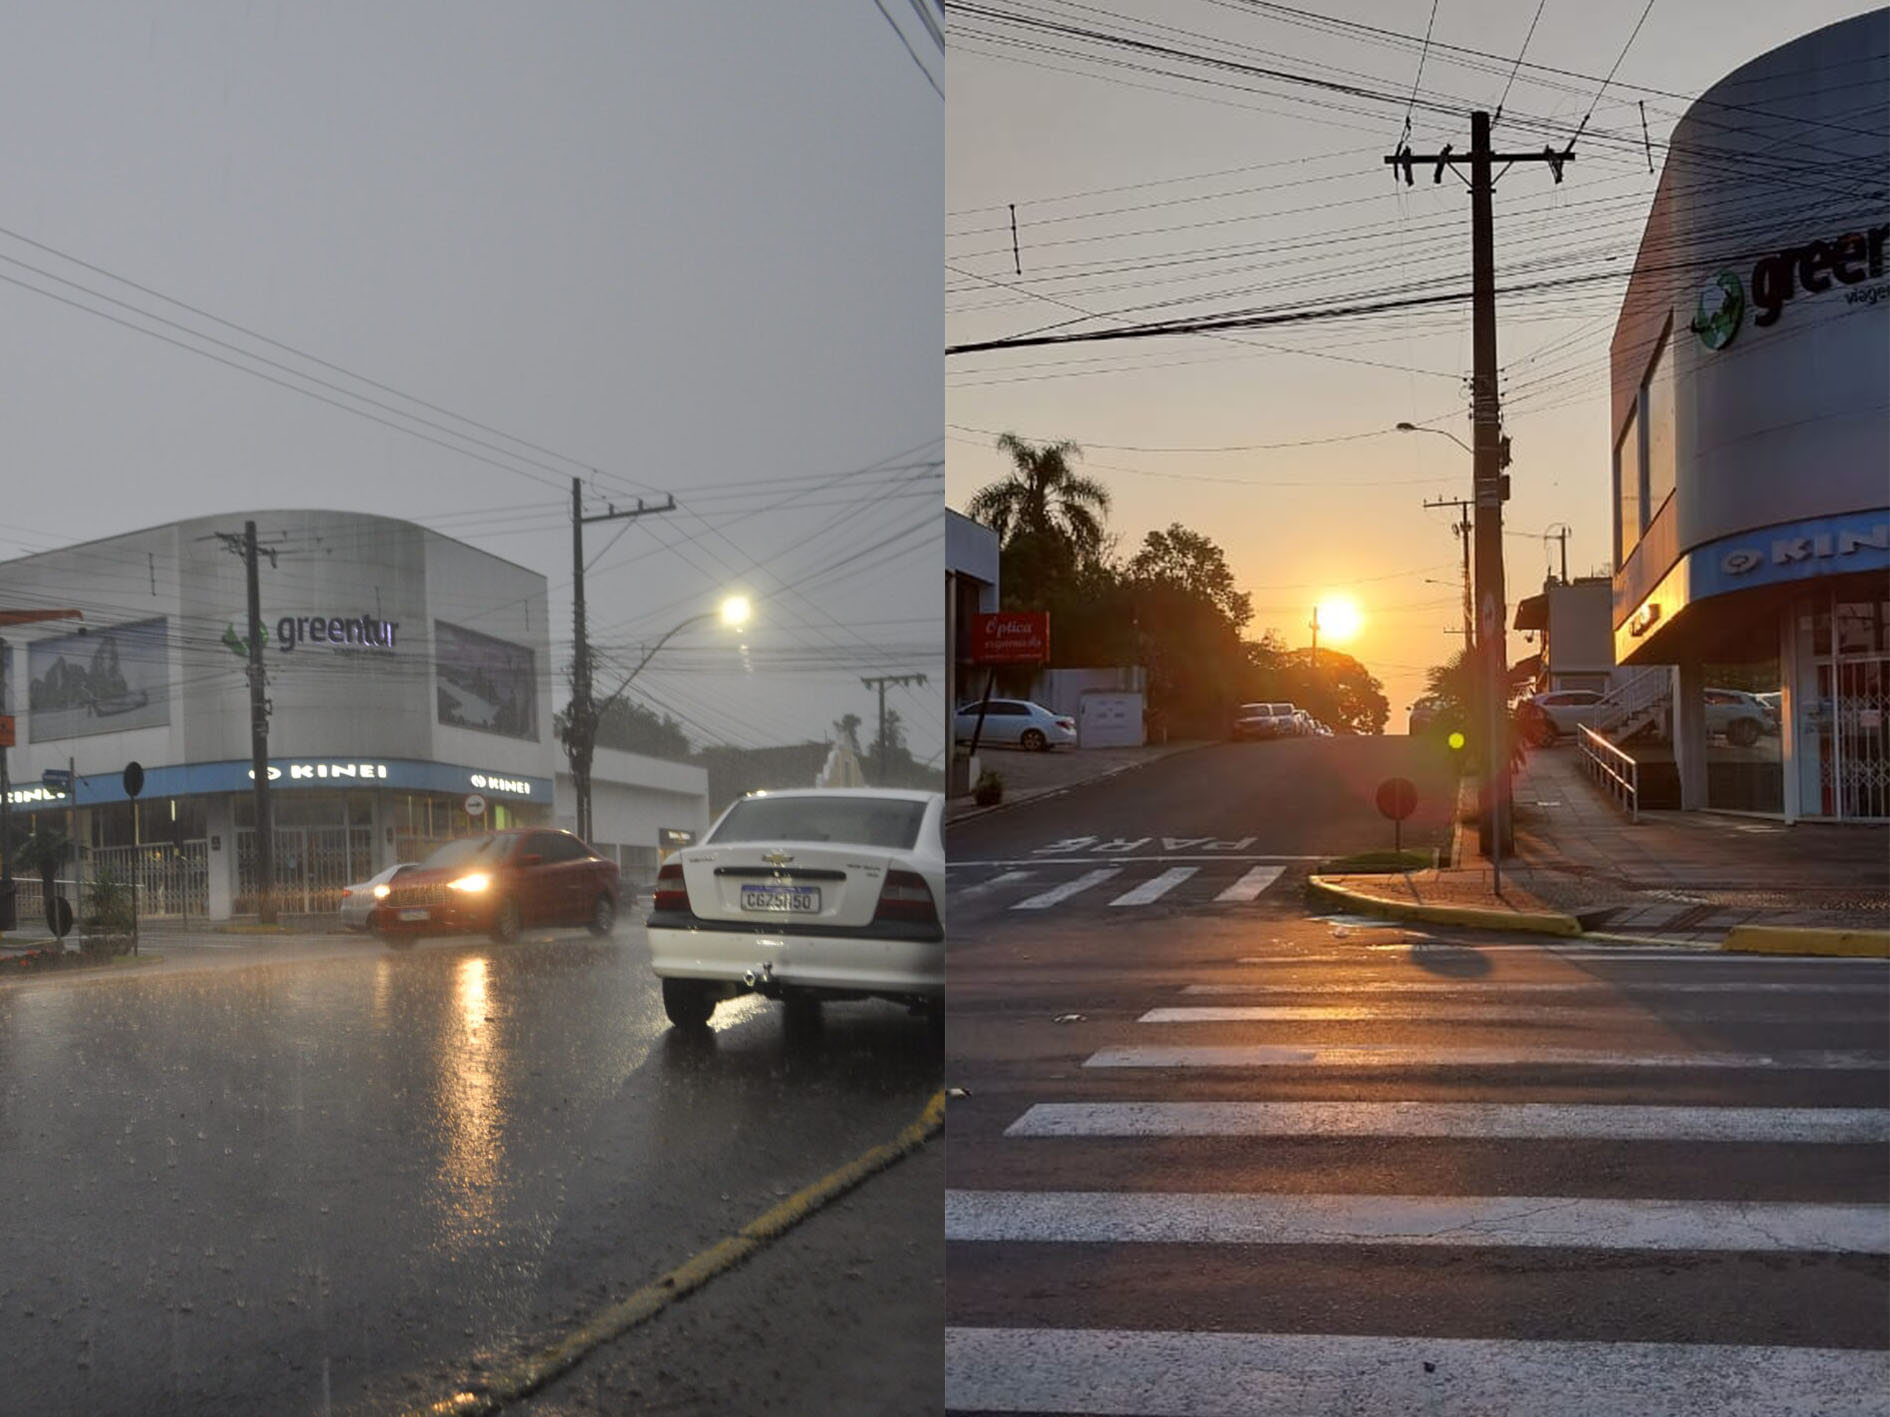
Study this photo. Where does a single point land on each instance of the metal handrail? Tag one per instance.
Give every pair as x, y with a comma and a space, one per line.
1614, 770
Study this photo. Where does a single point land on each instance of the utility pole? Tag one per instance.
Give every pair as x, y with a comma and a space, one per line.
1561, 536
1462, 529
580, 730
882, 683
1490, 454
259, 735
1313, 662
9, 918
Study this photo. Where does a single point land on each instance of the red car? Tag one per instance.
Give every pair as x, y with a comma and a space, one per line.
500, 884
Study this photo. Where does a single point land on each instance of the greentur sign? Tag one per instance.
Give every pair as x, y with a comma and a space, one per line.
1850, 259
365, 630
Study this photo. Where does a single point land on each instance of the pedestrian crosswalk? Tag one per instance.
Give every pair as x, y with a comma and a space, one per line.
1045, 886
1578, 1185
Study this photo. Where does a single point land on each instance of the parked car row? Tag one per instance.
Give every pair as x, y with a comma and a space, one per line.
800, 897
1276, 720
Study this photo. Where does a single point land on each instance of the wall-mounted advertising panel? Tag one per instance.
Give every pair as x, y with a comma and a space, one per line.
103, 681
484, 683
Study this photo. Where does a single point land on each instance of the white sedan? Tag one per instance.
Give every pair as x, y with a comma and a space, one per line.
358, 899
1015, 721
805, 896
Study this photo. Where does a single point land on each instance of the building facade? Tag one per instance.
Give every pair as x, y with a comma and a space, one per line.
410, 691
1751, 426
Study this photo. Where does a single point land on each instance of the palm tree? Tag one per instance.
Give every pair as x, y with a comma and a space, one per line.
1044, 499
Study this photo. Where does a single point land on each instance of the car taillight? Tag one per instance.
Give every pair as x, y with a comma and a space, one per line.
671, 893
906, 897
1067, 724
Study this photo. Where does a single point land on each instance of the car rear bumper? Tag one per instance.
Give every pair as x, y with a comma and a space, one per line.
845, 964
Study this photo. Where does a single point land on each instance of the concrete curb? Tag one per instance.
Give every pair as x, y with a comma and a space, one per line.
1043, 794
1538, 922
1807, 940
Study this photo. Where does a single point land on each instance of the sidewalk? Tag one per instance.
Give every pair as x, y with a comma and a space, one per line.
1580, 865
1032, 775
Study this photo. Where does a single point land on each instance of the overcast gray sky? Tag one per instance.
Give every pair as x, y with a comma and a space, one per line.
693, 247
1164, 190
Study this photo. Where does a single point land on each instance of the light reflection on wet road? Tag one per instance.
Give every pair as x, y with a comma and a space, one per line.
286, 1186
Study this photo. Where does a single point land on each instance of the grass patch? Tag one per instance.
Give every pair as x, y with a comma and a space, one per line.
1376, 863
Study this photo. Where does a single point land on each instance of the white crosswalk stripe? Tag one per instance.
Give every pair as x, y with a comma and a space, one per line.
1129, 1217
1249, 886
1056, 895
1153, 890
1401, 1055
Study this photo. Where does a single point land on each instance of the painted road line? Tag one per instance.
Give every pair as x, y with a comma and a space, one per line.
1624, 1011
1599, 988
1056, 895
1107, 1372
1154, 889
1223, 856
1808, 1126
1400, 1055
1008, 878
1521, 1222
1250, 885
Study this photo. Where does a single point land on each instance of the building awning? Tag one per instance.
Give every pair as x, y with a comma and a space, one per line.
1532, 613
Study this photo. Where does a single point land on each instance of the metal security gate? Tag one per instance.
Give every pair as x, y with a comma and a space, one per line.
171, 880
1855, 768
312, 866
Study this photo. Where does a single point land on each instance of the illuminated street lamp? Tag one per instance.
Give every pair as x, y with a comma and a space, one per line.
581, 732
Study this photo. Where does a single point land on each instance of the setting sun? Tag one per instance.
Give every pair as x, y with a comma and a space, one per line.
1339, 620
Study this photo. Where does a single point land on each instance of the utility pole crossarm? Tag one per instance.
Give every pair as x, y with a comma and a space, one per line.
883, 682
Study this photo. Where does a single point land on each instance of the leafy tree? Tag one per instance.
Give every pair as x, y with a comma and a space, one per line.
846, 732
631, 728
1189, 562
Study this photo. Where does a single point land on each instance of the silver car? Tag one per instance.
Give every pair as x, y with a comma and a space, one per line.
804, 896
360, 898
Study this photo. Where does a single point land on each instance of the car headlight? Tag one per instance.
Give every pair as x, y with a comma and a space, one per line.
472, 884
381, 891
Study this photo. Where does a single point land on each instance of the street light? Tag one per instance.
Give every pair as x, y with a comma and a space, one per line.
581, 731
1414, 428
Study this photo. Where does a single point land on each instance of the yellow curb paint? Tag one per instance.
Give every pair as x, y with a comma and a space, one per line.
539, 1369
1805, 940
1538, 922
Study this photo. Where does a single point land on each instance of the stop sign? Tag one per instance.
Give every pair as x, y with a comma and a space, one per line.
1397, 798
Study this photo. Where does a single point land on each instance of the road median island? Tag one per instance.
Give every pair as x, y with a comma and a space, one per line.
1443, 898
1807, 940
539, 1369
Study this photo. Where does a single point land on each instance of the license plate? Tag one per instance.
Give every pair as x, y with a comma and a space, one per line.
782, 900
413, 915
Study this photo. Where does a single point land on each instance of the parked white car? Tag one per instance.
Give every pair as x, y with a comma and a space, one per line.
361, 897
1016, 723
805, 896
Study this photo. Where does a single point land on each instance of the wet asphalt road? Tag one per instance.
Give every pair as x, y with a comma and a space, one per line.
1134, 997
356, 1183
